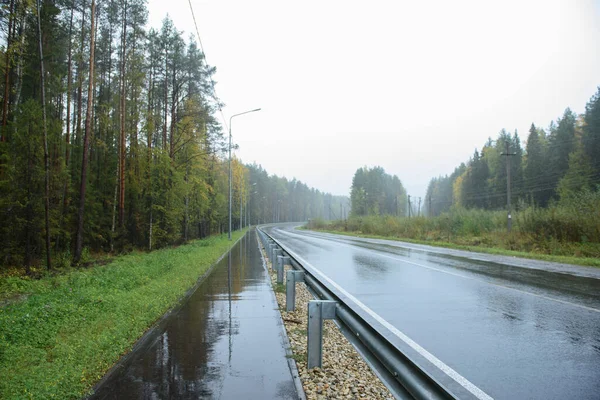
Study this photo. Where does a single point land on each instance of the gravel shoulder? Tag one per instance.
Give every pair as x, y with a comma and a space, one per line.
345, 375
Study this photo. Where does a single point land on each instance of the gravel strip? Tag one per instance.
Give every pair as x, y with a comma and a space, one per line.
345, 375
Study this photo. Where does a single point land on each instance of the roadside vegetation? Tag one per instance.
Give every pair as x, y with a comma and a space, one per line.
553, 184
565, 231
61, 333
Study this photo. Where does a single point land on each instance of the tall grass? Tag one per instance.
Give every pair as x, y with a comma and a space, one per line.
570, 227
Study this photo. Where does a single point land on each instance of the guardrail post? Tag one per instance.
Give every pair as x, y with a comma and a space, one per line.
318, 310
280, 269
276, 253
290, 288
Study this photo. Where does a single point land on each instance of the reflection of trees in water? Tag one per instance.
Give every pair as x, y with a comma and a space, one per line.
183, 361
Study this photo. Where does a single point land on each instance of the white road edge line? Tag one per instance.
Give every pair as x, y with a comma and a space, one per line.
461, 380
452, 273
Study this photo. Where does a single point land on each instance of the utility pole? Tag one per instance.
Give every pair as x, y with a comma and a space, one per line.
419, 213
409, 206
508, 208
430, 209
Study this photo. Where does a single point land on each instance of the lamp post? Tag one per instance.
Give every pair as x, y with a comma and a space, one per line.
230, 118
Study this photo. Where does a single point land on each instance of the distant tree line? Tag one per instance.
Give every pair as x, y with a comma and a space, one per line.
108, 139
556, 163
374, 192
277, 199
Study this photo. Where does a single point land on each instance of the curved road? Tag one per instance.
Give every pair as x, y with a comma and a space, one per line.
515, 328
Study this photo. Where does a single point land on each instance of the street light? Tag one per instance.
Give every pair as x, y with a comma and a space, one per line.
230, 118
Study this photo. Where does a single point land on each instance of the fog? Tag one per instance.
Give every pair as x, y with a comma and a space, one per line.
412, 87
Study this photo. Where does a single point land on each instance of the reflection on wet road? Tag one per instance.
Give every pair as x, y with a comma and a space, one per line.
224, 342
516, 329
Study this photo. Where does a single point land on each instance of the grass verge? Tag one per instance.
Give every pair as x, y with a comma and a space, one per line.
60, 334
587, 261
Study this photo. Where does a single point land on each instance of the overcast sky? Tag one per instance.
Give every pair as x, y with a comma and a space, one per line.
413, 86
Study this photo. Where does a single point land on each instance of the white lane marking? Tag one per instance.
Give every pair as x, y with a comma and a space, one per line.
397, 258
461, 380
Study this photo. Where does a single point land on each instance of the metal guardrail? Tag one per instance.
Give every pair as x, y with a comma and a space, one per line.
397, 370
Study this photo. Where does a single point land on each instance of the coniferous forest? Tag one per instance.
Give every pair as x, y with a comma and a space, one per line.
110, 138
559, 162
556, 163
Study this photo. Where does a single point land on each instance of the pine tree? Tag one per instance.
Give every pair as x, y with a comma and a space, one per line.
535, 165
86, 140
591, 134
561, 144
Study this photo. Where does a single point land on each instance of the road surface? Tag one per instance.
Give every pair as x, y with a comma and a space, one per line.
513, 328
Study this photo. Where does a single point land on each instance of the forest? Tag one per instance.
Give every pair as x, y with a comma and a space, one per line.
556, 163
110, 139
374, 192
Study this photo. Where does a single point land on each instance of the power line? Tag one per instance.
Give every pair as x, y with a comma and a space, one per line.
494, 192
547, 181
212, 82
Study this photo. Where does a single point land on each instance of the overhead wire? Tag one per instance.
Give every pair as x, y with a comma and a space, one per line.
212, 82
541, 187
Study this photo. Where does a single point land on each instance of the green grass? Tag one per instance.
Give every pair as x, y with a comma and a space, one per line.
279, 287
585, 261
299, 331
60, 334
299, 357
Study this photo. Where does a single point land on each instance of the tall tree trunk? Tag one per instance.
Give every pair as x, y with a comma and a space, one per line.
11, 22
173, 117
94, 127
80, 77
65, 202
86, 140
122, 149
46, 161
28, 211
150, 116
166, 94
19, 85
150, 229
134, 110
114, 212
186, 203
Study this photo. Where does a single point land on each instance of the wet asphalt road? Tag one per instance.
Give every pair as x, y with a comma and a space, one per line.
225, 341
517, 329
